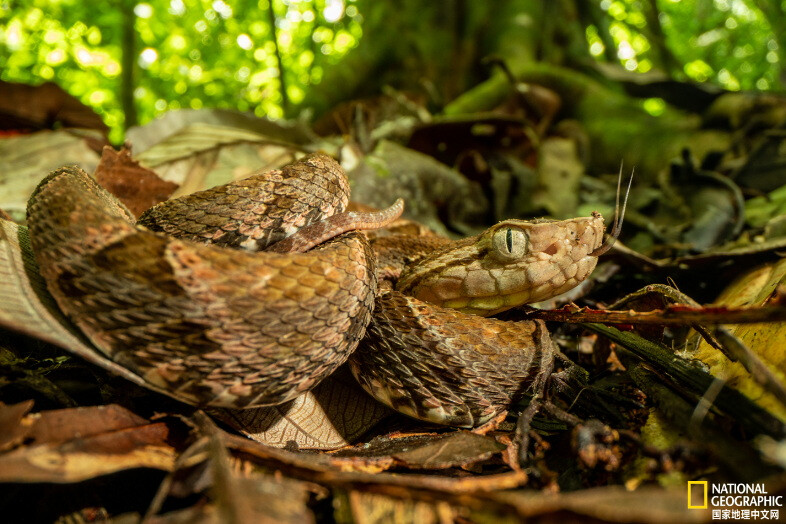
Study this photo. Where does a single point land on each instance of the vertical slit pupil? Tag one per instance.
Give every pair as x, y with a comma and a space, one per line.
509, 240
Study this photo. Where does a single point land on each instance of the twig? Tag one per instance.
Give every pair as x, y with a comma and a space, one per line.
675, 314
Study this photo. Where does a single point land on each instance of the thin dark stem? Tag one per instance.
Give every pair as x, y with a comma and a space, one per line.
128, 47
271, 13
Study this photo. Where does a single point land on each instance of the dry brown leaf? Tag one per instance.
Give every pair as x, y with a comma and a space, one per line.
332, 415
24, 106
61, 425
236, 494
455, 449
137, 187
607, 504
12, 431
141, 447
72, 445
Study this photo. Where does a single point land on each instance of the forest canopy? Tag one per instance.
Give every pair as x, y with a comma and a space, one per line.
133, 61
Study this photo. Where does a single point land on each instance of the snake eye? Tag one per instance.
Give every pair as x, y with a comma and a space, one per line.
510, 242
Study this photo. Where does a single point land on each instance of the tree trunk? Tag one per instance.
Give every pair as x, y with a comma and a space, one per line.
128, 64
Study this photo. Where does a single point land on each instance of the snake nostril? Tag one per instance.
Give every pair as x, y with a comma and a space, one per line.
552, 249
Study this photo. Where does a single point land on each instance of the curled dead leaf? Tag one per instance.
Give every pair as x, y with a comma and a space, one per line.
137, 187
73, 445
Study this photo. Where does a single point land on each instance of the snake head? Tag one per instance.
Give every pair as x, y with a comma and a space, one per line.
512, 263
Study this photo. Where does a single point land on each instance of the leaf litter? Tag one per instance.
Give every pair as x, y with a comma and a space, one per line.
336, 453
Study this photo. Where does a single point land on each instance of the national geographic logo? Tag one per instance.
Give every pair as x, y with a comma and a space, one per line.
735, 502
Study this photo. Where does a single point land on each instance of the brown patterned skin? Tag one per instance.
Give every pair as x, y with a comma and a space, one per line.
213, 326
238, 329
447, 367
258, 211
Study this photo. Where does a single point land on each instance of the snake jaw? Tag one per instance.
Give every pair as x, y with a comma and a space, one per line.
512, 263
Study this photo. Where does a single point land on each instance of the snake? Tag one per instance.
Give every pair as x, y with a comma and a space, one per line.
252, 293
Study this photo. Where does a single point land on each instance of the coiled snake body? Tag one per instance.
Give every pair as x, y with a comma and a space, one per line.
168, 299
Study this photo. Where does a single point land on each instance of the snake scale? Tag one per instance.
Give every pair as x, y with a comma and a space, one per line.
251, 293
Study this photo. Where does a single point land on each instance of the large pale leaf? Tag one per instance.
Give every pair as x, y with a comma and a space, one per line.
144, 137
201, 156
334, 414
559, 174
753, 288
26, 159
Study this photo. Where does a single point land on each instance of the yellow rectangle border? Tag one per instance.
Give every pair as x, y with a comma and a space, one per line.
690, 484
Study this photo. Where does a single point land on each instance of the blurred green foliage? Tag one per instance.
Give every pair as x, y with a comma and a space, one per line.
194, 54
217, 53
728, 42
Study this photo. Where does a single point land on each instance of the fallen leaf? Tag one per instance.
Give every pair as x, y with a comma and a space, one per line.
436, 196
767, 340
172, 122
201, 156
455, 449
137, 187
73, 445
61, 425
43, 106
332, 415
12, 431
449, 138
233, 494
325, 469
559, 174
607, 504
359, 506
26, 159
